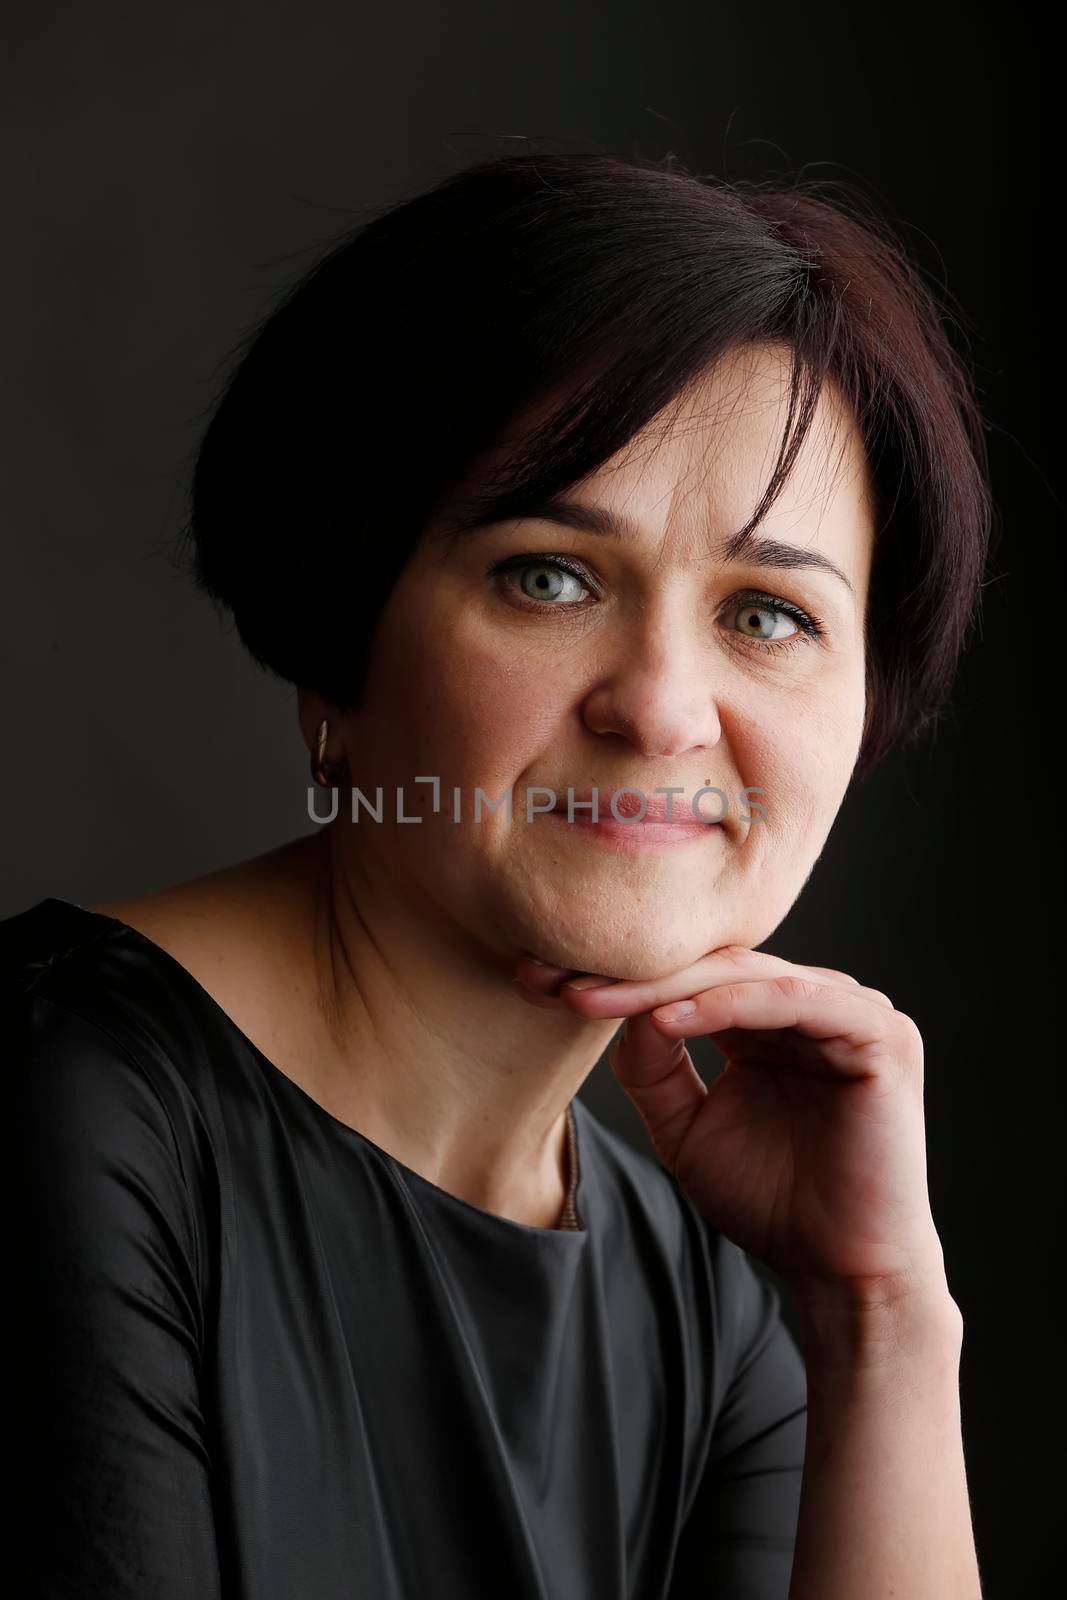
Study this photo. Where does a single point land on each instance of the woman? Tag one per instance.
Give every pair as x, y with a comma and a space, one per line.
574, 478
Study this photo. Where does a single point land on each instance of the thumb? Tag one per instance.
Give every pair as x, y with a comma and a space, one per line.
659, 1076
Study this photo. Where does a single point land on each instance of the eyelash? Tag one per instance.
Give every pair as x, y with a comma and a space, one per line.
812, 627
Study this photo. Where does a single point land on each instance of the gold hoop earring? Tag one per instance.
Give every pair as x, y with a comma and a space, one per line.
324, 772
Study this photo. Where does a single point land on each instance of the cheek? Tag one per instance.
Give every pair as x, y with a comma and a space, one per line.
480, 720
802, 753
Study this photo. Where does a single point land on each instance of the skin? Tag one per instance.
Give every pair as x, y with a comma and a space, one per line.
388, 966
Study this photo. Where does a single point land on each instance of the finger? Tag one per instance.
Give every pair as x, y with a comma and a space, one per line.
535, 997
541, 976
843, 977
659, 1076
854, 1032
627, 997
544, 991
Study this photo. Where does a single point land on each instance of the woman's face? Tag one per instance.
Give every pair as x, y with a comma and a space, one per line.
646, 667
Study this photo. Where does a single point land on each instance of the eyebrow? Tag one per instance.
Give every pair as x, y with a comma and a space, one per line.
761, 552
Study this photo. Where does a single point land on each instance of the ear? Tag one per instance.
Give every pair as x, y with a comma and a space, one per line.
311, 708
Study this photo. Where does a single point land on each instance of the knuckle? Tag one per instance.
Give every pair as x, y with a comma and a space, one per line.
797, 988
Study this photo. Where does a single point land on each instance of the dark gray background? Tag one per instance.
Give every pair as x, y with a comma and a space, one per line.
169, 169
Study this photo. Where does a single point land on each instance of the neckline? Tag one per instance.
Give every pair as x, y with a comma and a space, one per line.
574, 1108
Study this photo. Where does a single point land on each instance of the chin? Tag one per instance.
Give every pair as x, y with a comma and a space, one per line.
634, 936
625, 954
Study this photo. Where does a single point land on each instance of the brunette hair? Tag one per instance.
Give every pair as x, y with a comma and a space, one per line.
614, 282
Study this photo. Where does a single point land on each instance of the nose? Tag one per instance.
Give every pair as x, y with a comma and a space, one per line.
658, 692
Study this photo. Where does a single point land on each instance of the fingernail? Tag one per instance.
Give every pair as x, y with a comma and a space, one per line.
588, 983
674, 1013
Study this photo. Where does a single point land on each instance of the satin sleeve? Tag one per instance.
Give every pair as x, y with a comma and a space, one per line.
738, 1537
112, 1464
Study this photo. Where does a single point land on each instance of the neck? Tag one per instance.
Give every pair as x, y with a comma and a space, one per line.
428, 1049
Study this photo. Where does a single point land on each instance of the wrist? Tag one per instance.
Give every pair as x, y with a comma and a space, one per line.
879, 1331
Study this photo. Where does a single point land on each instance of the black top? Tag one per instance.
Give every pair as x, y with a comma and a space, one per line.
258, 1358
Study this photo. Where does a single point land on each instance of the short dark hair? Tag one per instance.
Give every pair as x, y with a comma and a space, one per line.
615, 282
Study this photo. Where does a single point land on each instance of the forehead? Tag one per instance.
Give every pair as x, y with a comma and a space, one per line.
694, 476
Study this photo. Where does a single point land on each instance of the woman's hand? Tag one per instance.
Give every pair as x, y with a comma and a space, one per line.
808, 1150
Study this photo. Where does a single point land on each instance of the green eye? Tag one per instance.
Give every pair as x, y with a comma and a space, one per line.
550, 580
544, 580
762, 612
764, 617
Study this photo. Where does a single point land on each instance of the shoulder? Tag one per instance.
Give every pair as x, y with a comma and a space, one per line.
110, 1085
102, 1037
58, 957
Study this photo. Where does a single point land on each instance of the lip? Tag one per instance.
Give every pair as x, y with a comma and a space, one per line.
680, 814
644, 835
